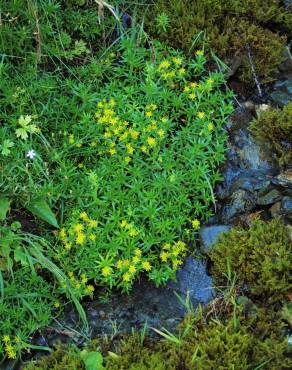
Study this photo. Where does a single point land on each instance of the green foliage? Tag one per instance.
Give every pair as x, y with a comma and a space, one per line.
26, 305
231, 27
52, 32
274, 128
145, 165
258, 256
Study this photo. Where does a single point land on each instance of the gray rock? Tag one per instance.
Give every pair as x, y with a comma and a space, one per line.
193, 279
209, 235
282, 93
286, 206
240, 202
284, 179
269, 198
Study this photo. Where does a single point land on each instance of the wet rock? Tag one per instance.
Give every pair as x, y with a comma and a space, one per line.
193, 279
284, 179
240, 202
209, 235
275, 209
286, 206
282, 93
282, 208
251, 181
269, 198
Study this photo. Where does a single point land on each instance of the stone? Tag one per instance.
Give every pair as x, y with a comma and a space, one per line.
286, 206
193, 281
275, 209
269, 198
282, 93
209, 235
240, 202
284, 179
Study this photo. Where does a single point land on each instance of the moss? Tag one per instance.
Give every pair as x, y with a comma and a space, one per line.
274, 128
230, 26
63, 357
243, 340
259, 257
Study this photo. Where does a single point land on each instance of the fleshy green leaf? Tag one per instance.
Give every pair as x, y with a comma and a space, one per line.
4, 207
92, 360
40, 208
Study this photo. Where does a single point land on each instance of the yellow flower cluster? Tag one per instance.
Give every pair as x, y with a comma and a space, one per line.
124, 138
79, 232
10, 349
132, 231
173, 253
171, 68
80, 284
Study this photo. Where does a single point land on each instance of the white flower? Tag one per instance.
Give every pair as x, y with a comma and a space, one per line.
31, 154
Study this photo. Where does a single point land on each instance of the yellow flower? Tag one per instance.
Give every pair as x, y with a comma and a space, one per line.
99, 104
17, 339
120, 264
164, 119
92, 237
80, 239
194, 84
89, 289
176, 263
70, 274
11, 353
78, 228
199, 52
132, 269
68, 246
84, 216
201, 115
151, 141
134, 134
164, 64
126, 263
148, 114
187, 89
210, 81
133, 232
126, 277
210, 126
71, 139
57, 305
164, 256
182, 71
83, 278
92, 223
80, 165
136, 259
146, 266
161, 133
123, 223
112, 151
128, 159
196, 224
143, 148
106, 271
166, 246
192, 96
177, 61
6, 338
130, 149
138, 252
62, 233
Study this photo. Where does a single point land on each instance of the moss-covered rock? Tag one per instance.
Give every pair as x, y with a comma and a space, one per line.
259, 257
232, 29
274, 128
